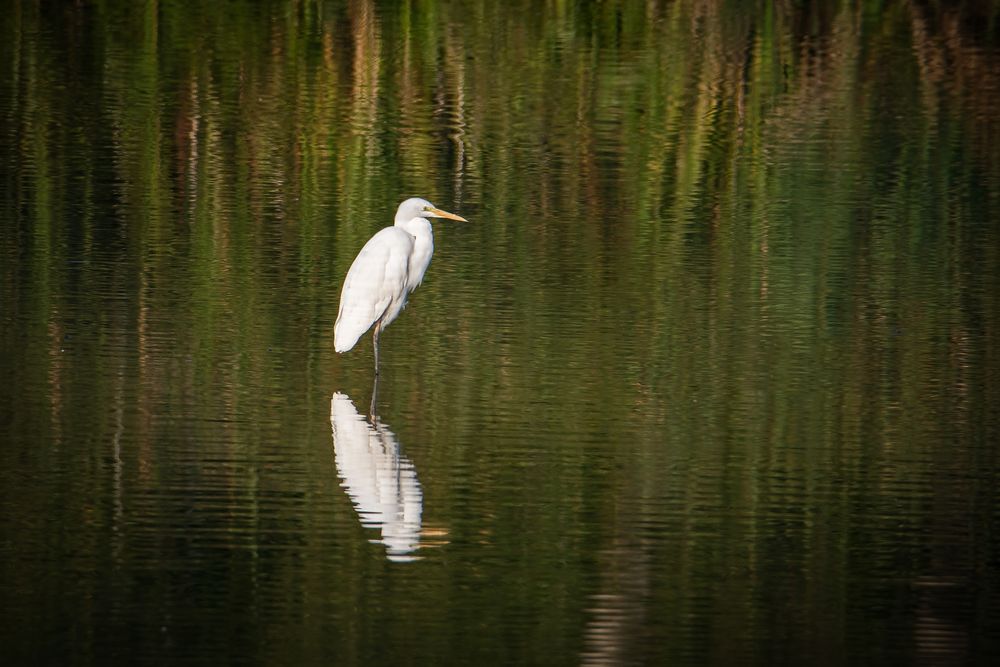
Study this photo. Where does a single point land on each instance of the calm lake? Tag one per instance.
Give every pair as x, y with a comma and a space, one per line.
710, 377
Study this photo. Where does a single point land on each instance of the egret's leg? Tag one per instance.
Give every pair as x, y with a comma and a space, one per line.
378, 329
372, 409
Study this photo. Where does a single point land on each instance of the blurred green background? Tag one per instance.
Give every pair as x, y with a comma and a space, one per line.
710, 377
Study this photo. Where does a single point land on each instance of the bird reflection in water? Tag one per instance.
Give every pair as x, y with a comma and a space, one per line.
381, 482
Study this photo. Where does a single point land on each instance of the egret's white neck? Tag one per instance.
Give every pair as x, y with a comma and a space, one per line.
423, 247
405, 216
417, 226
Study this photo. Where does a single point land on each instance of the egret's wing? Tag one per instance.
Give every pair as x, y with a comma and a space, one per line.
376, 280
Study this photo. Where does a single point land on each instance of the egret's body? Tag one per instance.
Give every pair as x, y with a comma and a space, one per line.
387, 269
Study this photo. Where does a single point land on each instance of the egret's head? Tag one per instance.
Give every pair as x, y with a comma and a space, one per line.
421, 208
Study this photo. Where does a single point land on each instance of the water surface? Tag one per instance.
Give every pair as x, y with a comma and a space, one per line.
710, 377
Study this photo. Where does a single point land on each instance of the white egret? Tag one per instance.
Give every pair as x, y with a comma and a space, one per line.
387, 269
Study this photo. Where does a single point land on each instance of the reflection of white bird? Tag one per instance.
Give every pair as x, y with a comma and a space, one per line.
382, 484
387, 269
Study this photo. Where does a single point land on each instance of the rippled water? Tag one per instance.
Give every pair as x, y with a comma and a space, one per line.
710, 376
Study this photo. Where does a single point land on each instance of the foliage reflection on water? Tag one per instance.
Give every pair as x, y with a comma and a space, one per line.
711, 379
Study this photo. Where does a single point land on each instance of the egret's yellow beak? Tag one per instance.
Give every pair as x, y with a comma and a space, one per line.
438, 213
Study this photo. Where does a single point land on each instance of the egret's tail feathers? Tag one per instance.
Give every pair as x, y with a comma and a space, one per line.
343, 342
347, 331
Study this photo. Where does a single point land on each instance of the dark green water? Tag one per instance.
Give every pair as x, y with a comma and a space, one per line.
712, 375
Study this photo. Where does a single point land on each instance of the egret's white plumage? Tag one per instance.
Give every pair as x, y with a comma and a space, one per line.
387, 269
